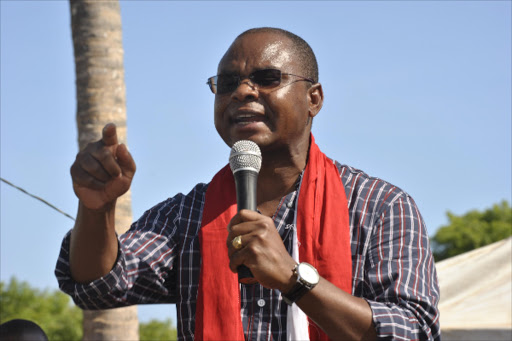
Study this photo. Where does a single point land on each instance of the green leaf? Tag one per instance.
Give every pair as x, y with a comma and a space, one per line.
472, 230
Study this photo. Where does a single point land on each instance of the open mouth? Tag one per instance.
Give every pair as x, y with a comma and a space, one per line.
247, 118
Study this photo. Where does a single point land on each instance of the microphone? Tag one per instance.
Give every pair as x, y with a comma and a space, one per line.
245, 163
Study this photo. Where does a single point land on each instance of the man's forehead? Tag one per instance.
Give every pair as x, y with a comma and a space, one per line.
260, 49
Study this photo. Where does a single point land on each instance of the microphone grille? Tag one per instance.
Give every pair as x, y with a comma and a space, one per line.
245, 155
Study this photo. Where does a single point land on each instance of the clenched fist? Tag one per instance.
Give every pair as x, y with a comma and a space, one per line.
103, 171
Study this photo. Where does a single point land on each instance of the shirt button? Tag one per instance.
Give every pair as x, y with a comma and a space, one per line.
261, 302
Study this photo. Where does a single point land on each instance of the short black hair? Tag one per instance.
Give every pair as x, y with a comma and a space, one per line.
19, 329
302, 50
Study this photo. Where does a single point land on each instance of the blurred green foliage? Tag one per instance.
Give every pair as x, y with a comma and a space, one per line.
55, 313
52, 311
472, 230
157, 330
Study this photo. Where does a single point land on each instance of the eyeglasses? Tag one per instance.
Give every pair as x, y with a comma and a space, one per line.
263, 79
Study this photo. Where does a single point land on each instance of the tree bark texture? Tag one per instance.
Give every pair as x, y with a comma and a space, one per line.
101, 98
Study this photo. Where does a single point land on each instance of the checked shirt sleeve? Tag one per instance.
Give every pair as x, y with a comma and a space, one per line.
402, 288
143, 272
392, 265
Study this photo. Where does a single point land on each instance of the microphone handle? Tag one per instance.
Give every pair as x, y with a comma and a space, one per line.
246, 186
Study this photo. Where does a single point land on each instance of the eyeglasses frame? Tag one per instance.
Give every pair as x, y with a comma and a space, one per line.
213, 80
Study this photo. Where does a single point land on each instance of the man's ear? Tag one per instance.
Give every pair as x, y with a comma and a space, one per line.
315, 98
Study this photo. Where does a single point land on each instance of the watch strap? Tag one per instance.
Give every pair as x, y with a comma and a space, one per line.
299, 289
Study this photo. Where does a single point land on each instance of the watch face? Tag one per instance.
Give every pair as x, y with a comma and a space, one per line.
308, 273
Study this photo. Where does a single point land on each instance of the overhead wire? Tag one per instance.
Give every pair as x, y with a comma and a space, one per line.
38, 198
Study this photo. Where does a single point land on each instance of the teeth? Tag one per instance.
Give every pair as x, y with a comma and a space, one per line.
243, 117
246, 118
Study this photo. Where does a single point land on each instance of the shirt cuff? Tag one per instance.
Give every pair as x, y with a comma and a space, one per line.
393, 322
89, 295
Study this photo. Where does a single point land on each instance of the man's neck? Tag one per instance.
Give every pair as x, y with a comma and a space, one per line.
278, 177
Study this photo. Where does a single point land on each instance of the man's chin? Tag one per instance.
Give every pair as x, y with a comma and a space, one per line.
258, 137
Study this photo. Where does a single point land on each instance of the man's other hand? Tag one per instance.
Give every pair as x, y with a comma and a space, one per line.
103, 171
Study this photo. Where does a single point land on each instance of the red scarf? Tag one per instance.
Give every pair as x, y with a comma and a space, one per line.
322, 232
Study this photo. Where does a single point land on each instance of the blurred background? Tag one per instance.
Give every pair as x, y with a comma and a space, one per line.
417, 93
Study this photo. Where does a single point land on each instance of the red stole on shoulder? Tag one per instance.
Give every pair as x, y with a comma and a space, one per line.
322, 232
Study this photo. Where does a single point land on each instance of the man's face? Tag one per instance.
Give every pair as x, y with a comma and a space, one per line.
273, 118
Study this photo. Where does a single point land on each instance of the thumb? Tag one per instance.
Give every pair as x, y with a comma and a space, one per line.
125, 161
109, 134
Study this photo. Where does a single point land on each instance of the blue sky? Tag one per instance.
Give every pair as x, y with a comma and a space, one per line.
416, 92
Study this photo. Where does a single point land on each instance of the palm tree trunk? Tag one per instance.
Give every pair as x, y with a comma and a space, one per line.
100, 92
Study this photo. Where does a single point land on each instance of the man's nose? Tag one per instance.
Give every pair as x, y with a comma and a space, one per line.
246, 90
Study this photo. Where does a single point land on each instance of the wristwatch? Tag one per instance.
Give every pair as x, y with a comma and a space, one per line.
307, 279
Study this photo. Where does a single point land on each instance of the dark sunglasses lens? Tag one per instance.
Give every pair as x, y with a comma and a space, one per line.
226, 84
267, 78
223, 84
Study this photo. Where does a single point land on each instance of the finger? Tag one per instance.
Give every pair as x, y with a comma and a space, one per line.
109, 135
238, 230
126, 162
81, 178
238, 258
248, 215
107, 160
230, 243
260, 225
234, 221
245, 229
247, 241
93, 167
243, 216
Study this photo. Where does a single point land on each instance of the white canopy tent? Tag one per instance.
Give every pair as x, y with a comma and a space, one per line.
476, 294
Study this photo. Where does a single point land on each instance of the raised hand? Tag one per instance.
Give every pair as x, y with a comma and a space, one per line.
103, 171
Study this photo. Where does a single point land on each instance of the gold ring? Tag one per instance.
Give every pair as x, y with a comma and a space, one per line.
237, 242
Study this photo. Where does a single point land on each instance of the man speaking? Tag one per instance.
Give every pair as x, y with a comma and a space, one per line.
334, 253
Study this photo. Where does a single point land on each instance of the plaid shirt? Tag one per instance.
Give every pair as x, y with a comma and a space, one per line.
392, 266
